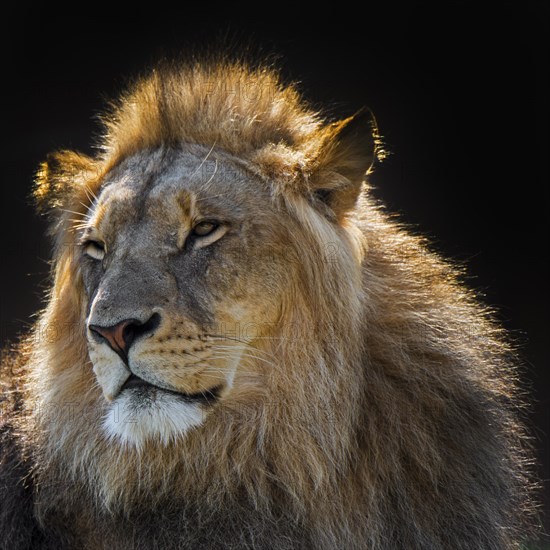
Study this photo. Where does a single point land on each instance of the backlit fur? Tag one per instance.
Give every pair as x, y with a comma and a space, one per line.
379, 411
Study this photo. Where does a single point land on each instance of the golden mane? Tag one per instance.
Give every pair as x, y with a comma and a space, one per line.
395, 418
232, 106
247, 112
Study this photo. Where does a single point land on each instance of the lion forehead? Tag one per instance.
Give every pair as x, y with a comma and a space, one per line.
165, 185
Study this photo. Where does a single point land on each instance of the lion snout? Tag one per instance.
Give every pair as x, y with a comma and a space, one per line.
120, 336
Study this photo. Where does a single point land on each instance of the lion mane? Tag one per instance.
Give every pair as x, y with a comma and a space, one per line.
390, 417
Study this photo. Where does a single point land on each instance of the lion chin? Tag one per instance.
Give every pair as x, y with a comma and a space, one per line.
141, 414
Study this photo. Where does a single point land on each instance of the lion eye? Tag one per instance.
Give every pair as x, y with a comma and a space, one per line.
94, 249
204, 228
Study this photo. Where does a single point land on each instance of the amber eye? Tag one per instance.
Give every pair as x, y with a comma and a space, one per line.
94, 249
205, 228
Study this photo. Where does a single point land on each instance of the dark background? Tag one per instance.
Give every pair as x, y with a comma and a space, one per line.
459, 89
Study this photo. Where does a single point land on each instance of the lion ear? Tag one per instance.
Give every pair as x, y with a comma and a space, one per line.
346, 157
58, 178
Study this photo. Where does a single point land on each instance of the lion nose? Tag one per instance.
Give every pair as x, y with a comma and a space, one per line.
121, 336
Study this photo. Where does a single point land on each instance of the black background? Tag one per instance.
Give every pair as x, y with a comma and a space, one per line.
459, 89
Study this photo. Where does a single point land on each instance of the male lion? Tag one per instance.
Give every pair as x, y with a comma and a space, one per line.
241, 350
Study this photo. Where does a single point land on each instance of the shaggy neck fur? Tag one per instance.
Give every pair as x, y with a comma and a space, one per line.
349, 413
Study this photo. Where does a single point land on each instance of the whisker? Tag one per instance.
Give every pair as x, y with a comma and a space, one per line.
225, 337
84, 214
245, 349
88, 207
252, 356
210, 197
204, 159
89, 193
213, 175
78, 222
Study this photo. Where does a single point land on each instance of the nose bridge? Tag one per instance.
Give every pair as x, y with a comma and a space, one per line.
131, 289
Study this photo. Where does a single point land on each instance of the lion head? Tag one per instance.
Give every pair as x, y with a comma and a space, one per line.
190, 254
236, 330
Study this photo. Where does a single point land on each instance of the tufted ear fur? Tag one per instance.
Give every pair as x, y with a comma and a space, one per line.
346, 156
57, 180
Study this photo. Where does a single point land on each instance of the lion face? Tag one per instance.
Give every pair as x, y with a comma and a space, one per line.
180, 264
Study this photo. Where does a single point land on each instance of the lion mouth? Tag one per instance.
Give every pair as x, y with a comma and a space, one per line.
206, 397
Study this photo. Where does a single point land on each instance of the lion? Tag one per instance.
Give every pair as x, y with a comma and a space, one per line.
242, 349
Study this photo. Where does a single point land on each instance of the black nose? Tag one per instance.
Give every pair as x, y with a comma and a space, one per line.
121, 336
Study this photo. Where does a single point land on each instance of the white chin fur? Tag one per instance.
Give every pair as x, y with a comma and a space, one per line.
132, 420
